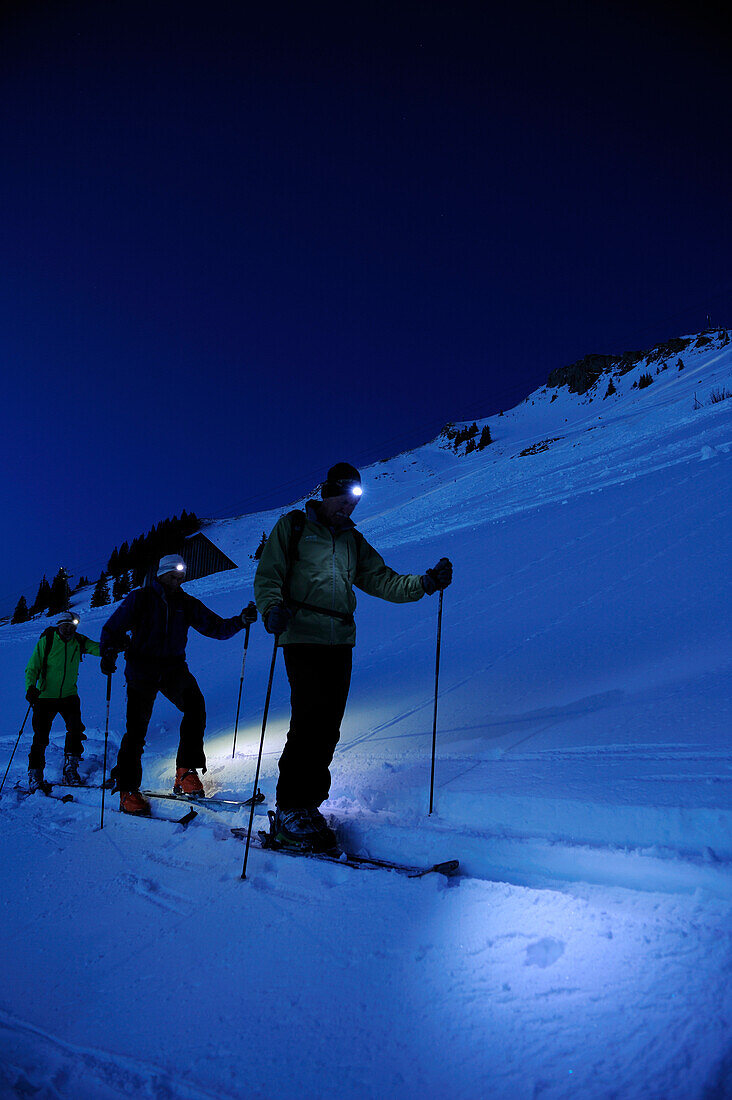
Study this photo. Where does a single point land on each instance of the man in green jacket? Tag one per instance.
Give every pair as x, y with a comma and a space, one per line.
50, 680
304, 591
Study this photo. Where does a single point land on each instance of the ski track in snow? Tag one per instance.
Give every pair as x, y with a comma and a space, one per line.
583, 780
43, 1066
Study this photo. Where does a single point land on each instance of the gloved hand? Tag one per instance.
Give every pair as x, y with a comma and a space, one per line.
32, 694
249, 614
438, 577
108, 663
277, 619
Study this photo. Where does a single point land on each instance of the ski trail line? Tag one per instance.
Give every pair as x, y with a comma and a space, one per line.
108, 1066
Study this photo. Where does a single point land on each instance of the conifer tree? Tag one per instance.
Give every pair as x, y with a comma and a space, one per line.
123, 559
113, 563
100, 595
42, 599
21, 613
136, 577
120, 588
60, 593
485, 437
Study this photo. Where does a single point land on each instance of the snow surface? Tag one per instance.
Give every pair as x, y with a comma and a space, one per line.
584, 780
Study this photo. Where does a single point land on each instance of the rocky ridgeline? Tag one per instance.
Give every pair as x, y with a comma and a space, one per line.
581, 376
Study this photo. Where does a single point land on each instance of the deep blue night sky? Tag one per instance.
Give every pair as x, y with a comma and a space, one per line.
242, 242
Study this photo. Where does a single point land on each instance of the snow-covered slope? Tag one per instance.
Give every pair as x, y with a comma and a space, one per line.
583, 778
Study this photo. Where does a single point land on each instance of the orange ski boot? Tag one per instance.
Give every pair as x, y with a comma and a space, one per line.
132, 802
188, 783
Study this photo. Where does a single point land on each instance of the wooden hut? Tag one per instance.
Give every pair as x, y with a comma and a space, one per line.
203, 558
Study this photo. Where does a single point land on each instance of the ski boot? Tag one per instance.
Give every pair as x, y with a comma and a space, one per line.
296, 829
71, 771
188, 783
36, 782
132, 802
327, 840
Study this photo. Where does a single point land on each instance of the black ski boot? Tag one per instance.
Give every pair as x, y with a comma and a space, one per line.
71, 771
36, 782
299, 831
327, 840
293, 829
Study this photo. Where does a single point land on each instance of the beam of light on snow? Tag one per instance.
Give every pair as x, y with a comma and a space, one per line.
247, 741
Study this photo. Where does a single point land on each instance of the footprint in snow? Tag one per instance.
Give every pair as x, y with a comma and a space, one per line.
544, 952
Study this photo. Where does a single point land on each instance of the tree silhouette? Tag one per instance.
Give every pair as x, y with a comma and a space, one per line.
21, 613
42, 599
60, 593
100, 595
120, 587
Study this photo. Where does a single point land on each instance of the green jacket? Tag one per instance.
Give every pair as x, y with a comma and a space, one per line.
62, 668
328, 563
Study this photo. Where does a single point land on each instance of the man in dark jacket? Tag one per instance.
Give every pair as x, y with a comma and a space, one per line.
151, 625
304, 591
50, 680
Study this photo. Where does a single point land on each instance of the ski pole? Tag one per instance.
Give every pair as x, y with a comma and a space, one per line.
437, 678
106, 739
241, 681
259, 758
10, 761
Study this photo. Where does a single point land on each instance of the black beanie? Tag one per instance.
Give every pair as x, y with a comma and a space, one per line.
342, 471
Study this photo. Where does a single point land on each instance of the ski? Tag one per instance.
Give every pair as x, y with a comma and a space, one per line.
212, 803
185, 820
79, 786
25, 793
449, 868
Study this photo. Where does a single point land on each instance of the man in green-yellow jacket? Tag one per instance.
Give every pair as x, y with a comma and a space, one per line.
50, 680
304, 591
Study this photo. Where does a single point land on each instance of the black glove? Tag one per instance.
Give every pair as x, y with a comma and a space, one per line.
438, 577
277, 619
108, 663
249, 614
32, 694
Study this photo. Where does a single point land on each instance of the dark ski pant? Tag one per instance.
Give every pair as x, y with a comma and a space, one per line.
320, 676
44, 712
176, 682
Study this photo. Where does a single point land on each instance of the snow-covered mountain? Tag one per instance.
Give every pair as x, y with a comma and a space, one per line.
583, 779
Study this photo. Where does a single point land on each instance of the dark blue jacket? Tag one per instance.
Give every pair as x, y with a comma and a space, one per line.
151, 625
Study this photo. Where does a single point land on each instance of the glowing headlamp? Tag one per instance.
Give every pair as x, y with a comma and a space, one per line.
350, 488
74, 622
180, 568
